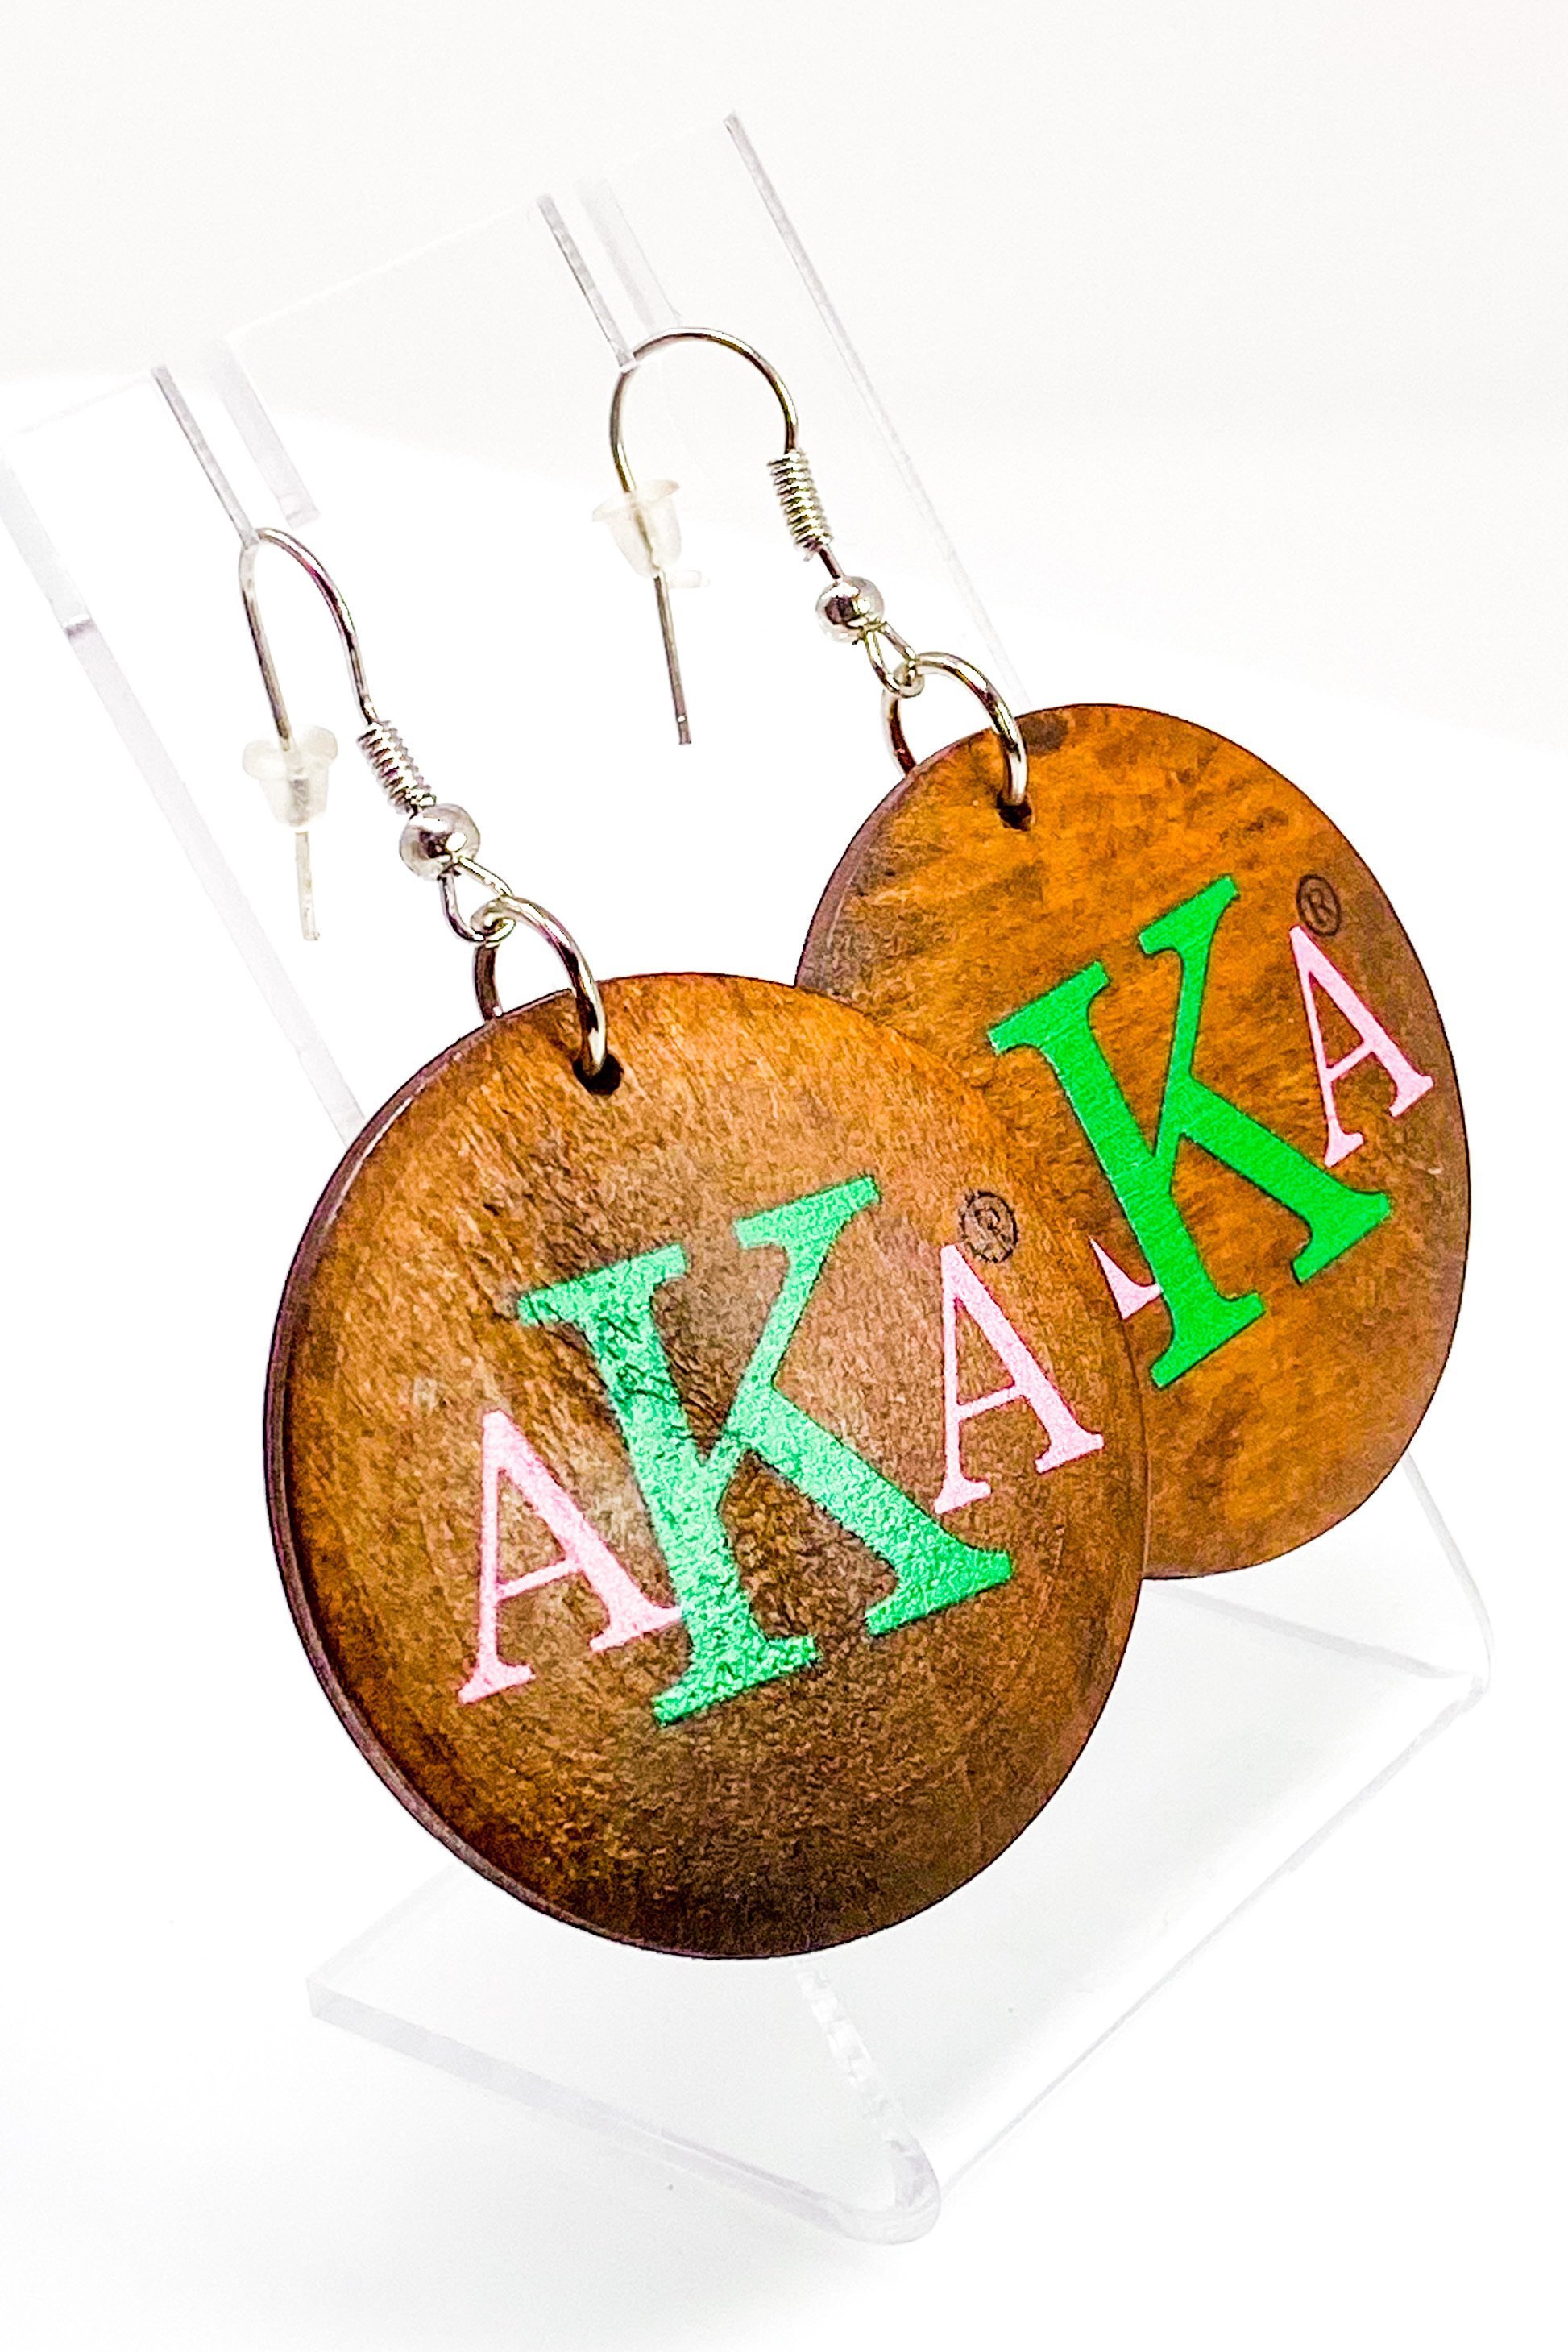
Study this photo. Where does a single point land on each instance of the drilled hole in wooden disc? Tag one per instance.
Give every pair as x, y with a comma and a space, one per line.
930, 1675
949, 925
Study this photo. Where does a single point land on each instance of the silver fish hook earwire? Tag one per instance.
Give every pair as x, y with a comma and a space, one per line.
850, 607
293, 769
439, 841
644, 521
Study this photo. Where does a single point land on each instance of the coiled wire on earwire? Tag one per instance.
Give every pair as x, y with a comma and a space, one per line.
799, 500
394, 769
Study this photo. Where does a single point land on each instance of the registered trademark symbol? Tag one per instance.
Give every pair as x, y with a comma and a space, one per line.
1318, 904
989, 1224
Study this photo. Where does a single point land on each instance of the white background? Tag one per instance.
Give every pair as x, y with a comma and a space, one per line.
1235, 332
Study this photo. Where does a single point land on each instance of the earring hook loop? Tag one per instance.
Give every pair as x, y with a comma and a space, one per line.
783, 470
342, 619
742, 351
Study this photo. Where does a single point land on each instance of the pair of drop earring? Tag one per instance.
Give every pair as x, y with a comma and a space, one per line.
636, 1489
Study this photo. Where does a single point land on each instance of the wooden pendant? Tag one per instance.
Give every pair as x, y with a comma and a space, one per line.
1183, 991
715, 1506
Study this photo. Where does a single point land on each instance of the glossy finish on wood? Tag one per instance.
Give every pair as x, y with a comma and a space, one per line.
942, 920
833, 1799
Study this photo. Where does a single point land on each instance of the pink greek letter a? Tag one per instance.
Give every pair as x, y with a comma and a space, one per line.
629, 1612
1376, 1044
1131, 1297
1066, 1439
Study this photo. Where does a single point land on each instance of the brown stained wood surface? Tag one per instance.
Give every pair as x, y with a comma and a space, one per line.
941, 921
815, 1808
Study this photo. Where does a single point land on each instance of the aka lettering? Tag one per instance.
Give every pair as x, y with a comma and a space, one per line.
683, 1489
1336, 1215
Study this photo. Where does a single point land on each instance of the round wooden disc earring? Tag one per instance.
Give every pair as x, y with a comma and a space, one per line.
1180, 988
715, 1503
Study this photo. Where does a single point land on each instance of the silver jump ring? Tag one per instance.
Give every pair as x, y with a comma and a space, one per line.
592, 1055
1014, 793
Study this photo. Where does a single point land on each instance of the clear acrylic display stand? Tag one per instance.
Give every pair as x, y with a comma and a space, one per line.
1254, 1711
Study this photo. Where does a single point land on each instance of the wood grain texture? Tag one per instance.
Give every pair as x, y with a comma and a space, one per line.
941, 921
817, 1807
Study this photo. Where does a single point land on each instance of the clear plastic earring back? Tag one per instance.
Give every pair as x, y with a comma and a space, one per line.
645, 527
